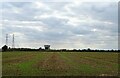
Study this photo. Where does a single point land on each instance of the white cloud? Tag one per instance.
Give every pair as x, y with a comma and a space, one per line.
39, 4
94, 30
16, 33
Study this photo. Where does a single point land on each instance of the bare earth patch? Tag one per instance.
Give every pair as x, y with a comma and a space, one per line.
53, 63
19, 59
15, 70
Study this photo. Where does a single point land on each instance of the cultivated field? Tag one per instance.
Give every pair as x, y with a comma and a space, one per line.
59, 64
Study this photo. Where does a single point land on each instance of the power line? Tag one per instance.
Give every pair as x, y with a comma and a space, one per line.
6, 39
13, 42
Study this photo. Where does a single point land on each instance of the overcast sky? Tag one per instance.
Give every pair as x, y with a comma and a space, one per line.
67, 25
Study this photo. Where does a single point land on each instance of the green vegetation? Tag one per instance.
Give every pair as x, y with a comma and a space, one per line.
59, 64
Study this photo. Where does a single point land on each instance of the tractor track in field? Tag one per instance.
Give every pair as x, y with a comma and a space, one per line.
93, 64
53, 63
19, 59
90, 61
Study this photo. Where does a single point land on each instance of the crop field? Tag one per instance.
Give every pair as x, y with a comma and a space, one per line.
59, 64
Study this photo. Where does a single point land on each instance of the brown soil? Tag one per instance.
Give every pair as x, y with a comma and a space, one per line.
19, 59
54, 62
90, 61
15, 71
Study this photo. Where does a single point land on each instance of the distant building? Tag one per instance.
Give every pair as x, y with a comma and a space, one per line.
47, 47
5, 48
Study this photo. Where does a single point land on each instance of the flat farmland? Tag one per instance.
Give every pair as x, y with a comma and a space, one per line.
59, 64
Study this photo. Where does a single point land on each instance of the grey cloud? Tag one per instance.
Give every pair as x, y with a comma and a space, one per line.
58, 32
100, 11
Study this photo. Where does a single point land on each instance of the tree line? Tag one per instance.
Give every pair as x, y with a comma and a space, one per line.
8, 49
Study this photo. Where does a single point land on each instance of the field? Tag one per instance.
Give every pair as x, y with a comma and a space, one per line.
59, 64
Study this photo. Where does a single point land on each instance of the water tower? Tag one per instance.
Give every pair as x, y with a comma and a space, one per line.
47, 47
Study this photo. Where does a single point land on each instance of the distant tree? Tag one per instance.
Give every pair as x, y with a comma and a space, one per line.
9, 48
40, 48
88, 49
5, 48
